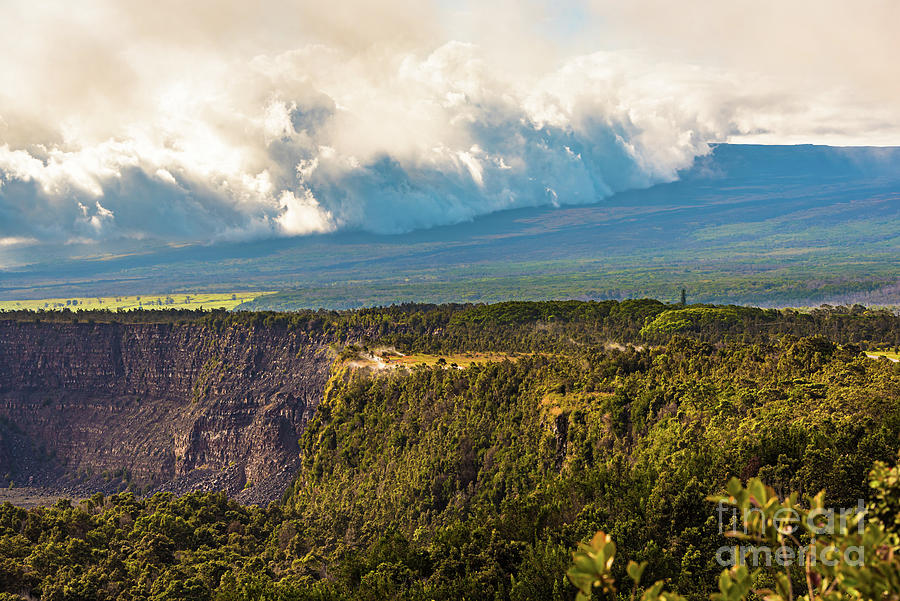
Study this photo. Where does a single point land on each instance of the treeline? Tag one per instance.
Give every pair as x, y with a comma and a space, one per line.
529, 326
440, 483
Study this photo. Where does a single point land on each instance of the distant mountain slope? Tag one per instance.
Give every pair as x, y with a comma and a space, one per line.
770, 225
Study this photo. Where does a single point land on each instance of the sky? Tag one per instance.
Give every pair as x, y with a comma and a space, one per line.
210, 121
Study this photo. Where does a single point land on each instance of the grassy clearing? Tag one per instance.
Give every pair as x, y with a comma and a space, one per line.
29, 497
182, 300
391, 359
456, 359
890, 355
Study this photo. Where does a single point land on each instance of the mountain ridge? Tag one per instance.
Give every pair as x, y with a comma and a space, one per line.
749, 224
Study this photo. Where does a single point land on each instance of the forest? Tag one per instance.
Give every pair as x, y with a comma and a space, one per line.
479, 483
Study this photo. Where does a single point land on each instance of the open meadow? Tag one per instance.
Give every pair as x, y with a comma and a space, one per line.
181, 300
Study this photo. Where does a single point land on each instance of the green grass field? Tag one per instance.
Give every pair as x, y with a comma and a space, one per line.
181, 300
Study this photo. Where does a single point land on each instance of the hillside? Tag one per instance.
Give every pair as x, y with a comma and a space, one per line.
431, 481
763, 225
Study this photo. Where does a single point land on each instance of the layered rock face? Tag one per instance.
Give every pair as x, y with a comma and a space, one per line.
165, 407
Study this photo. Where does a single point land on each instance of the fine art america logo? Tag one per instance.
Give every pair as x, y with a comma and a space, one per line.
819, 522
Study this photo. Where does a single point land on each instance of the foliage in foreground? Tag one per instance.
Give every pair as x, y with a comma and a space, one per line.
856, 556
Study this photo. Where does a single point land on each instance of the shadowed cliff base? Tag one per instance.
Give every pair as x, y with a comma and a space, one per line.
150, 407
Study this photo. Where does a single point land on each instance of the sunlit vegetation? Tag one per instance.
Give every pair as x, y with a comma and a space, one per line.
180, 300
892, 355
817, 556
390, 358
476, 483
461, 360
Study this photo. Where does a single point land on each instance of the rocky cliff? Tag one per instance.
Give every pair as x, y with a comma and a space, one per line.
156, 406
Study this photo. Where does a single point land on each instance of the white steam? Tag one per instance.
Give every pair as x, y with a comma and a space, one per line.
208, 121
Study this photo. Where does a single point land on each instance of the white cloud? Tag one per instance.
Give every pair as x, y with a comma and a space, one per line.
302, 215
17, 241
224, 120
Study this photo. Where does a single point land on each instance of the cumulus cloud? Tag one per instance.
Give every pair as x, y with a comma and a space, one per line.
824, 71
207, 121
